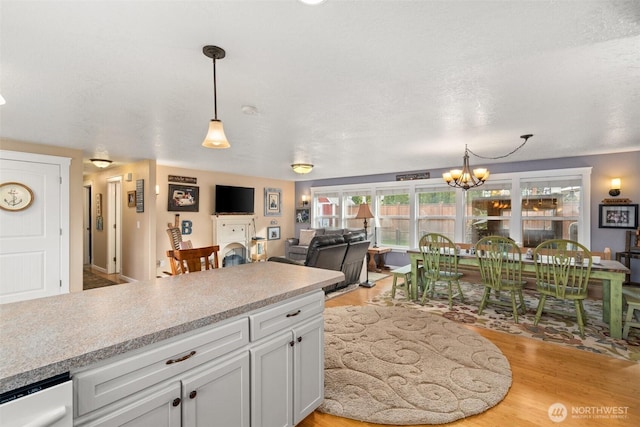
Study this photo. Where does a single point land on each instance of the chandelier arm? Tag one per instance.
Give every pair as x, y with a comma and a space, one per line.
525, 137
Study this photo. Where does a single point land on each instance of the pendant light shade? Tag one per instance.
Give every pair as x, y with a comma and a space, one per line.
215, 136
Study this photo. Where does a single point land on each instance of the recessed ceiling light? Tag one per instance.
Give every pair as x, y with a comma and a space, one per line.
312, 2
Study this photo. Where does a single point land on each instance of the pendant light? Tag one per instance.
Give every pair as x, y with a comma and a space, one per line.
215, 136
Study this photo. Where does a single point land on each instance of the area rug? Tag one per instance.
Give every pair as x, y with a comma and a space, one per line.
558, 329
398, 366
92, 281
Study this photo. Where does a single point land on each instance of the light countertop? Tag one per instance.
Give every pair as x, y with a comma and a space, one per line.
44, 337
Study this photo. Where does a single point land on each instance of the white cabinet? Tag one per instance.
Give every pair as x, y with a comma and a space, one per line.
264, 368
217, 395
287, 367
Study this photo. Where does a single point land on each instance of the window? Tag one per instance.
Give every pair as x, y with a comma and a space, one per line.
326, 210
488, 211
351, 201
436, 210
526, 206
394, 216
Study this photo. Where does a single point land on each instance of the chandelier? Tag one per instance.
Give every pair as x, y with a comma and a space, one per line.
466, 178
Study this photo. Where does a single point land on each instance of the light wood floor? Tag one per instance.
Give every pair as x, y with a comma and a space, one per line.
543, 374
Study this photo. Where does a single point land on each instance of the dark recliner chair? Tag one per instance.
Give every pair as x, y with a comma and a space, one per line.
326, 252
354, 258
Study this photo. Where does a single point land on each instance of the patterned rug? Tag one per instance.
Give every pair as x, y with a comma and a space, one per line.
562, 330
396, 366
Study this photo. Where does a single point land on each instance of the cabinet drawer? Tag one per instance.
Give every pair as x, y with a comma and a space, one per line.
285, 315
119, 377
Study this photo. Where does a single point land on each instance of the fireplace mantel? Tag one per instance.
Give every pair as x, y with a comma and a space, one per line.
233, 232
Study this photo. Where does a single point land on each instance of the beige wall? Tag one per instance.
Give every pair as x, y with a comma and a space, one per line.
75, 201
202, 223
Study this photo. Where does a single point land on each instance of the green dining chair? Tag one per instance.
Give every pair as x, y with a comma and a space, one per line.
500, 263
440, 264
562, 268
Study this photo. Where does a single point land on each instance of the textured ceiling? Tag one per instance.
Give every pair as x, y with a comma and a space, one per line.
354, 87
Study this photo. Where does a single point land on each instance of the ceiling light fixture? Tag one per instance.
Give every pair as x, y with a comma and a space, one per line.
465, 178
215, 136
101, 163
302, 168
312, 2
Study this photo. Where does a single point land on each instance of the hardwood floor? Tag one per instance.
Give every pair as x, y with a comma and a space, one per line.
543, 374
115, 277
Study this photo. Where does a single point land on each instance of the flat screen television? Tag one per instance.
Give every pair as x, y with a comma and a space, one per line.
234, 200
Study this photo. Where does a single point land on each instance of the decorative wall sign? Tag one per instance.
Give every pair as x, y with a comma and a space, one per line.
183, 198
272, 202
131, 199
15, 196
412, 176
139, 195
183, 179
99, 204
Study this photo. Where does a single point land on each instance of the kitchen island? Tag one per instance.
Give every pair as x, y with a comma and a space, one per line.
44, 337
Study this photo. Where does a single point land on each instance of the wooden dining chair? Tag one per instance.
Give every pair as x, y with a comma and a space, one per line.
500, 263
191, 260
440, 264
563, 268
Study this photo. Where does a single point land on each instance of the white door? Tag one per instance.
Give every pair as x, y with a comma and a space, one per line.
31, 240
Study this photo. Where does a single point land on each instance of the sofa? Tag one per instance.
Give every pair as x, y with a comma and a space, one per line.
296, 248
337, 252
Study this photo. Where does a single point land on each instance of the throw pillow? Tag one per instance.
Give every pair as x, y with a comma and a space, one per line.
306, 236
186, 244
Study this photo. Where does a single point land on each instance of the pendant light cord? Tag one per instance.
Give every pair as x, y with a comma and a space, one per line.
525, 137
215, 94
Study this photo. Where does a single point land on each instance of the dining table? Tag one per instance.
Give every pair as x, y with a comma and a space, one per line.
610, 272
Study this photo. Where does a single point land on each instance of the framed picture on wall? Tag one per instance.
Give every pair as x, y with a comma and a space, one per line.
618, 216
272, 202
131, 199
273, 233
302, 216
183, 198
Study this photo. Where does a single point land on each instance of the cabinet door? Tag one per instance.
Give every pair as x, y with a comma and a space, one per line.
271, 382
218, 394
160, 408
308, 363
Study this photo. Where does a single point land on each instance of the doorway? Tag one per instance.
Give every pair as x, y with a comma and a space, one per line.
86, 225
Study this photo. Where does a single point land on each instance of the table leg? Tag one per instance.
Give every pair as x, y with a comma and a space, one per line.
615, 307
371, 264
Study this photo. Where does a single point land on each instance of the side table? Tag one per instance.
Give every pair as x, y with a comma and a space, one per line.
371, 254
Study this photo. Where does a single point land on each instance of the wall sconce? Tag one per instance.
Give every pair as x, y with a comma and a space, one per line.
305, 200
614, 190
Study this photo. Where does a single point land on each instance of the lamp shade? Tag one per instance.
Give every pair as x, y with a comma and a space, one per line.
215, 136
302, 168
364, 212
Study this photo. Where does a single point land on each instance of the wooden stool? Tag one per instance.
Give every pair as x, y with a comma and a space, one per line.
405, 274
633, 302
